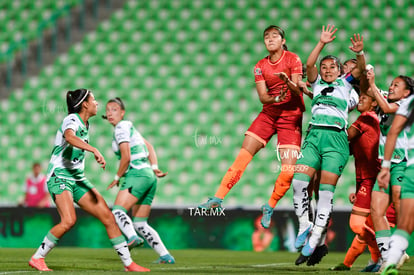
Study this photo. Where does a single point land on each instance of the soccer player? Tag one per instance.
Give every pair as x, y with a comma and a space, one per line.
67, 183
277, 77
399, 89
363, 135
326, 145
399, 240
139, 170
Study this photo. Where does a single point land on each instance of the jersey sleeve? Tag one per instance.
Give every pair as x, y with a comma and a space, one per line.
296, 66
353, 100
258, 74
122, 132
406, 106
70, 122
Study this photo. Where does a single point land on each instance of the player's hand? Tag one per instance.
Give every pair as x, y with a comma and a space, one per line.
159, 173
283, 76
383, 178
113, 183
357, 43
99, 158
352, 198
371, 76
327, 34
304, 88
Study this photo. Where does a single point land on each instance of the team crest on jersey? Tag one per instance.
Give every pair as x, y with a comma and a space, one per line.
258, 71
62, 186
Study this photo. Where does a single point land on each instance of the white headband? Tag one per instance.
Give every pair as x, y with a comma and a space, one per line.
77, 104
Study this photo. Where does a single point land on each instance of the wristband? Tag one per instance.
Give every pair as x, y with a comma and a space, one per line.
154, 166
386, 164
277, 99
116, 178
360, 52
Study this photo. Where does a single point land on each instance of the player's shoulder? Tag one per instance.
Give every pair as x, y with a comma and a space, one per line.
262, 61
123, 124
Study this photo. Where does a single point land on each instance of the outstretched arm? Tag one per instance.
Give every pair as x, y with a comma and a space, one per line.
327, 36
358, 47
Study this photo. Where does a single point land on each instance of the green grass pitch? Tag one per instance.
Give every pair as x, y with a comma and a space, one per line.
197, 261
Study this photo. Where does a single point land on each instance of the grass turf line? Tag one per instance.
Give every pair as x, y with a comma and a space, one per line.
190, 261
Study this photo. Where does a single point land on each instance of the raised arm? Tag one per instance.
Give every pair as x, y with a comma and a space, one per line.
327, 36
358, 48
386, 107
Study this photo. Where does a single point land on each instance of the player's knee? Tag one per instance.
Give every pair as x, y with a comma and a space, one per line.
68, 222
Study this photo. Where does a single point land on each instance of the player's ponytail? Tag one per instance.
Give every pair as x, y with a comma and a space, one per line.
118, 101
74, 100
280, 31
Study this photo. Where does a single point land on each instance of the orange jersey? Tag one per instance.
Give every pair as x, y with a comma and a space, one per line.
265, 70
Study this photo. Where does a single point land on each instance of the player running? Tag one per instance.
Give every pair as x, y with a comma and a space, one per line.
67, 183
138, 169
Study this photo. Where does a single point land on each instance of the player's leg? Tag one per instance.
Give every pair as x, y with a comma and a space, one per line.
123, 203
379, 204
289, 135
64, 204
92, 202
405, 225
256, 137
141, 213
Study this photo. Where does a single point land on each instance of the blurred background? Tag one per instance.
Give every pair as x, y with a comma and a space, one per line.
185, 71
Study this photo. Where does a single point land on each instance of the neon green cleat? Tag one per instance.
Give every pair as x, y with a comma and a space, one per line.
390, 270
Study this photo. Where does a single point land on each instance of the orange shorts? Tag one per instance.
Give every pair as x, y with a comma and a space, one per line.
287, 128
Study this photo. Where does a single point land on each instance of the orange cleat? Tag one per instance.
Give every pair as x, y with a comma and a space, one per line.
39, 264
133, 267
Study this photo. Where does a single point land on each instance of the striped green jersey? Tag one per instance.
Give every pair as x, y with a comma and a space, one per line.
406, 108
67, 161
330, 102
126, 132
400, 150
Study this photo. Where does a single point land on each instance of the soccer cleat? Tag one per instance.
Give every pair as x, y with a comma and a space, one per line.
133, 267
39, 264
166, 259
404, 259
371, 267
301, 238
307, 250
301, 259
267, 215
135, 241
213, 202
340, 267
317, 255
390, 270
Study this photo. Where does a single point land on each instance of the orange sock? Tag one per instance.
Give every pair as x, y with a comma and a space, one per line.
234, 173
282, 184
356, 249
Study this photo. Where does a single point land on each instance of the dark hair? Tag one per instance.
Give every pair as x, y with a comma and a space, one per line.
74, 100
36, 164
336, 59
280, 31
118, 101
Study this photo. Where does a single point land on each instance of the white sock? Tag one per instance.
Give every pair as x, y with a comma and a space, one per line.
124, 223
301, 203
398, 245
316, 235
383, 241
121, 248
324, 208
151, 236
49, 242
